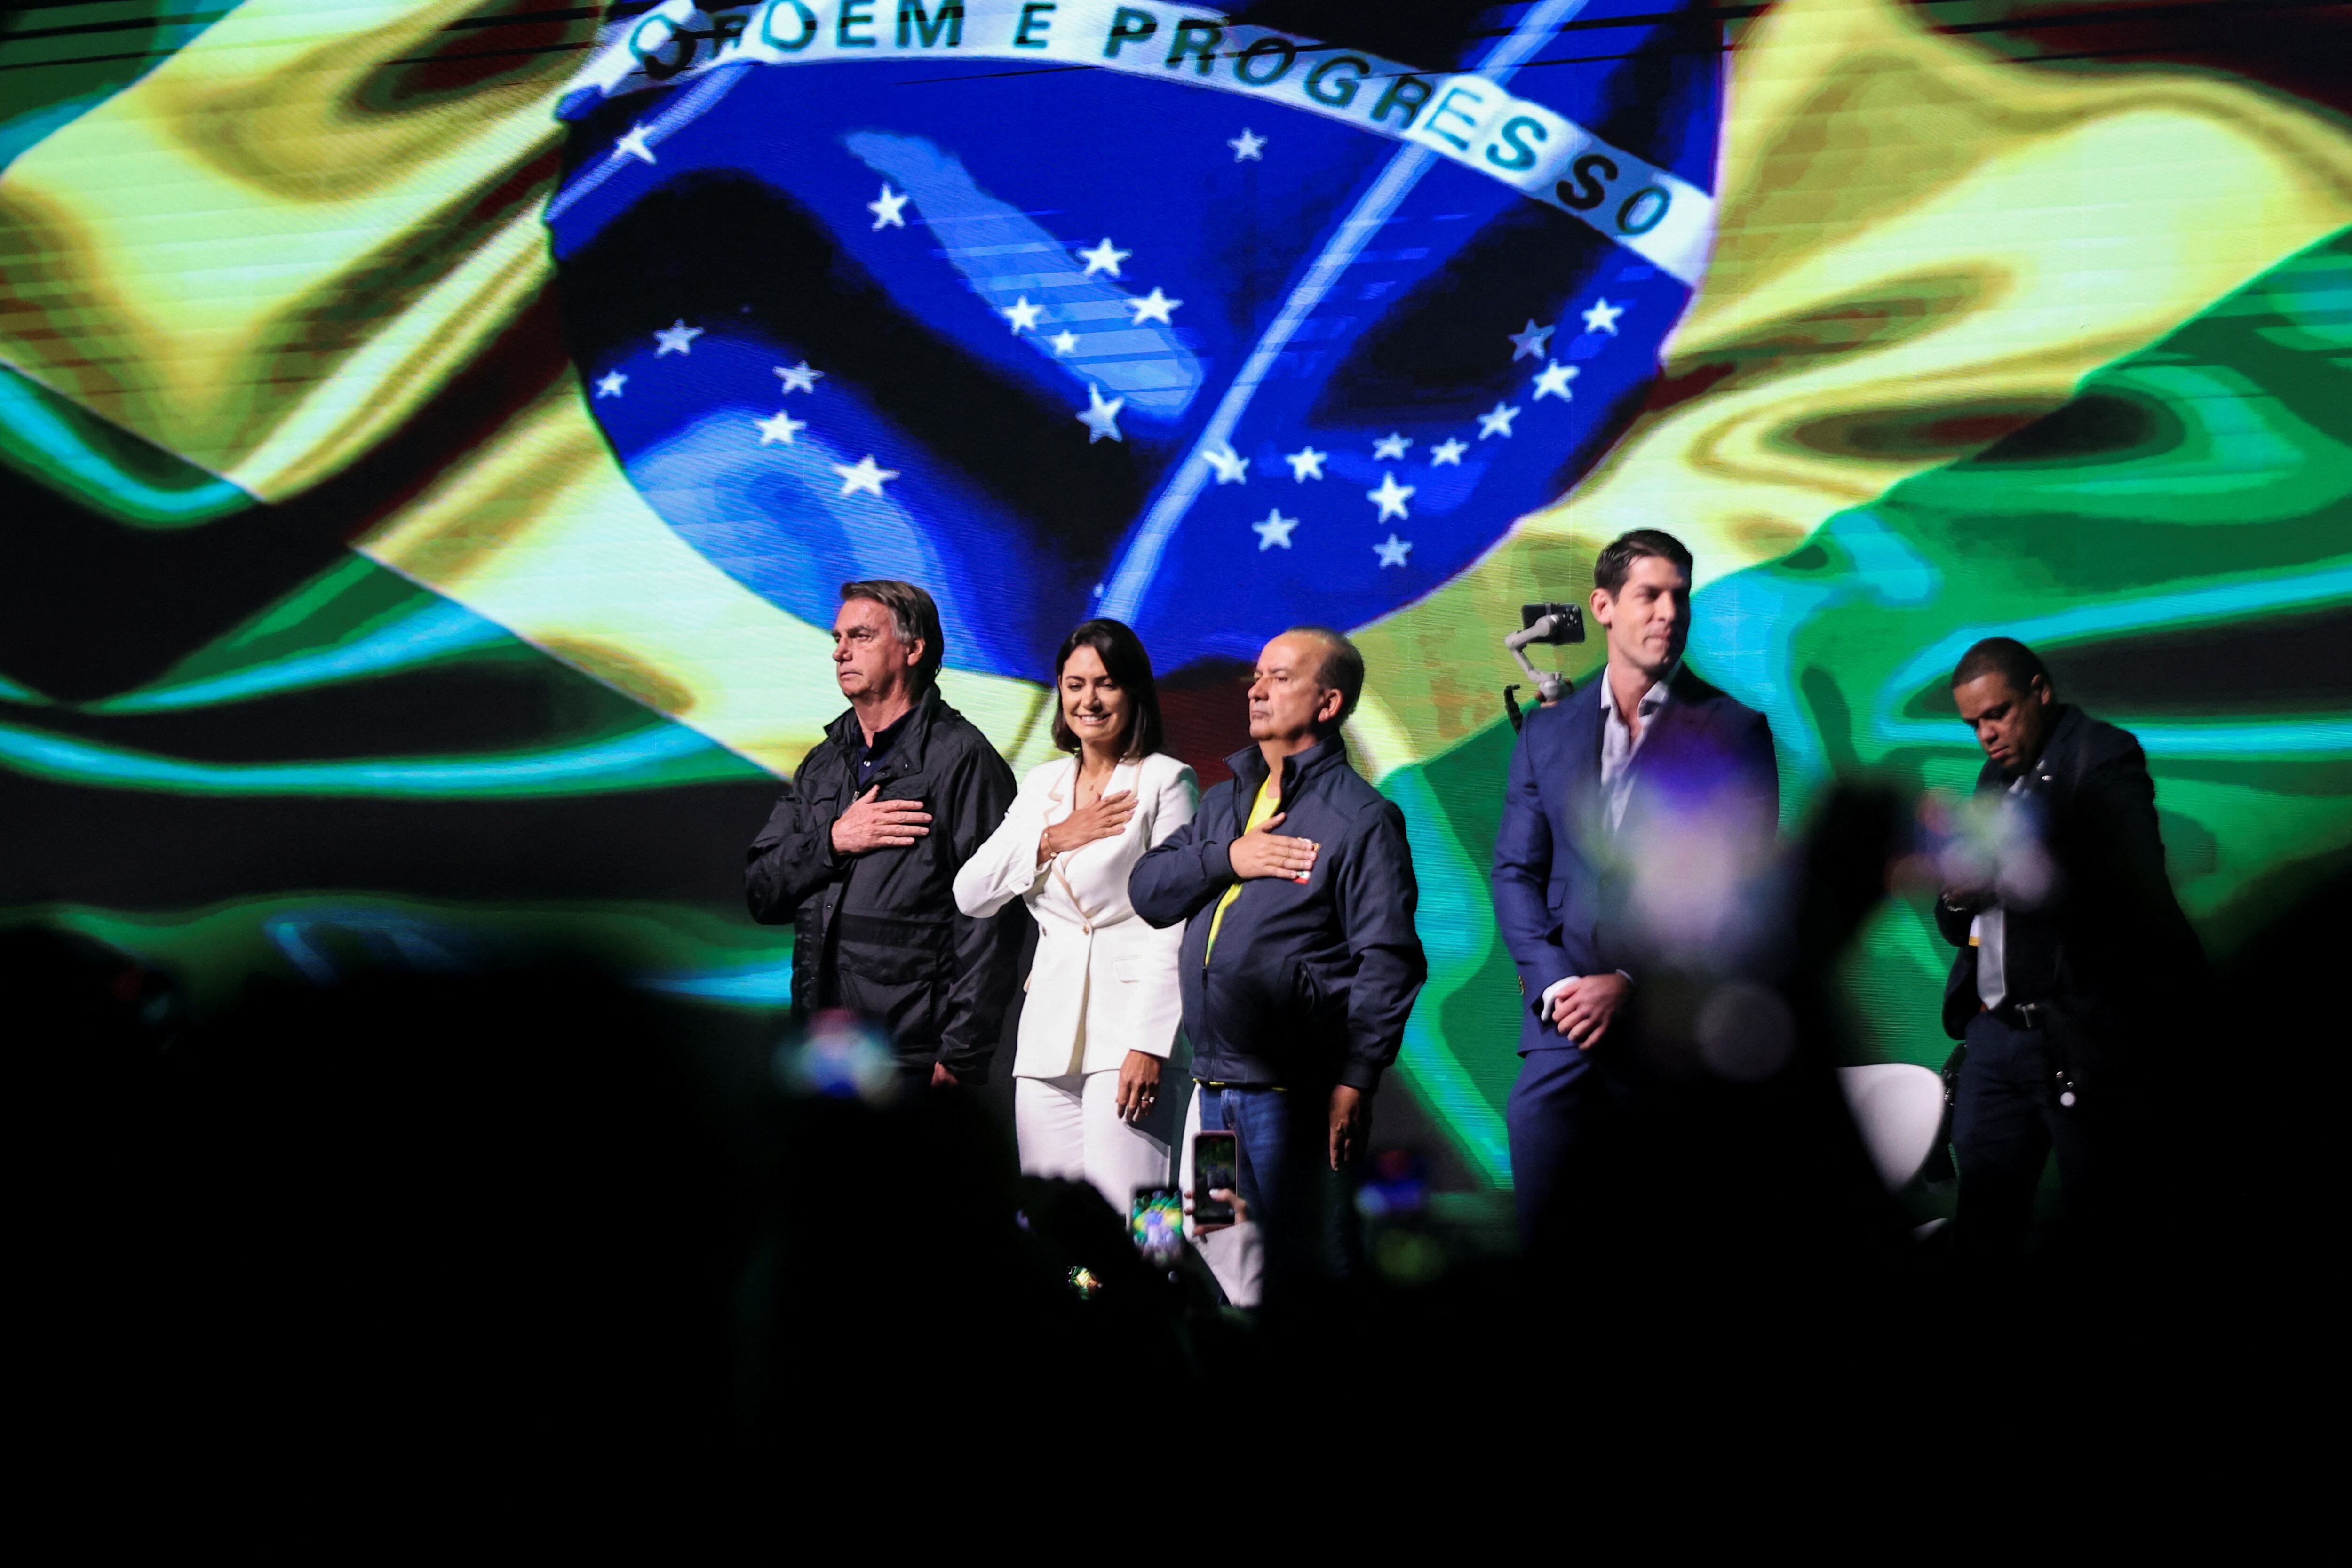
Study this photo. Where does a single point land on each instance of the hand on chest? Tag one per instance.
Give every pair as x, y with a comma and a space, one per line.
1093, 874
936, 844
1278, 846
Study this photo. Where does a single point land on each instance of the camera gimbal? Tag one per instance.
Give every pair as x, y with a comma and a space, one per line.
1547, 623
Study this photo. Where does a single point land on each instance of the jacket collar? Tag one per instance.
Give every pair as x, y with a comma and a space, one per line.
907, 751
2058, 751
1248, 765
1677, 688
1062, 786
1687, 696
2065, 735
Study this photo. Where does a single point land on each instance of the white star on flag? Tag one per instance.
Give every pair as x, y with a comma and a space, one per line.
1393, 551
1232, 469
1390, 497
1021, 315
1065, 342
1391, 447
1553, 382
609, 384
1529, 342
1101, 418
800, 378
632, 145
1104, 257
1496, 421
1447, 453
1274, 529
1603, 317
780, 428
886, 211
1306, 464
1248, 146
863, 475
678, 338
1152, 307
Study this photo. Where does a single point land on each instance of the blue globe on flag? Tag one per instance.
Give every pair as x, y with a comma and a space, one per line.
1131, 309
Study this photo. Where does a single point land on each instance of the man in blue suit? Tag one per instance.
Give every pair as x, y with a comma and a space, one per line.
1636, 813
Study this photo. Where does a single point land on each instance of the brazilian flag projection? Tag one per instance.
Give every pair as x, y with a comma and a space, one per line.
434, 431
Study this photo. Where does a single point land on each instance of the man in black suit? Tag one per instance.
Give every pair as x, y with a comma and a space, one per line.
2069, 939
1637, 813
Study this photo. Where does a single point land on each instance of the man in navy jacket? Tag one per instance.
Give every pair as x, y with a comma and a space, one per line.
1636, 813
1300, 963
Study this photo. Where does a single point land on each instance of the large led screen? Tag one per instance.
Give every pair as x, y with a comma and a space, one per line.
435, 433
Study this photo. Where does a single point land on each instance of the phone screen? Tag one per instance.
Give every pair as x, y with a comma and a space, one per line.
1155, 1220
1214, 1169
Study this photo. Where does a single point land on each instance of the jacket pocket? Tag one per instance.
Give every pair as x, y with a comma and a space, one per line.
1316, 1011
1141, 969
891, 963
897, 972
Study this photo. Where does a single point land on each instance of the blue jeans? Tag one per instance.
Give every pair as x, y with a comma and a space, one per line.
1282, 1141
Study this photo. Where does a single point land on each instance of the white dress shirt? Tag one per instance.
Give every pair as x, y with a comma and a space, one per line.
1988, 934
1618, 746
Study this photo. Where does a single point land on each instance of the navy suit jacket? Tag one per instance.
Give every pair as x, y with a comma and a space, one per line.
1557, 899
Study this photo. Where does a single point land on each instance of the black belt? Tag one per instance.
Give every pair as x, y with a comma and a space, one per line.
2034, 1016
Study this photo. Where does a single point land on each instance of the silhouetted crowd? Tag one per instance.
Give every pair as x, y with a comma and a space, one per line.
531, 1213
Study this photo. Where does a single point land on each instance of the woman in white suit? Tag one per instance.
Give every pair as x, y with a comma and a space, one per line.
1102, 1017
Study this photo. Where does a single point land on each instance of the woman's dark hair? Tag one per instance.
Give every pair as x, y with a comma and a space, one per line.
1121, 651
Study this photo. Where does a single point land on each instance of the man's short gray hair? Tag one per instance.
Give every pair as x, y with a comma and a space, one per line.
913, 616
1343, 667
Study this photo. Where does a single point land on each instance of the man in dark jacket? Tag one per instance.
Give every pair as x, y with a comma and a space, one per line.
1300, 963
862, 851
2069, 939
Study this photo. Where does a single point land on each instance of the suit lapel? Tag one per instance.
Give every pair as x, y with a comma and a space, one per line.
1064, 795
2055, 767
1583, 759
1681, 722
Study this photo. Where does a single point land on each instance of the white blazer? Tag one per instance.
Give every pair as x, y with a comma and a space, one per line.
1097, 964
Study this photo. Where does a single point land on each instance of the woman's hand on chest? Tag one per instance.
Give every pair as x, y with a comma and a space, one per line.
1104, 818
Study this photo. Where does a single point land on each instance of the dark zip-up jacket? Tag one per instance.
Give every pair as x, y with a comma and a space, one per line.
1310, 983
879, 932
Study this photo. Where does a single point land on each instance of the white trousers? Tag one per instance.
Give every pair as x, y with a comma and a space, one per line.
1070, 1127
